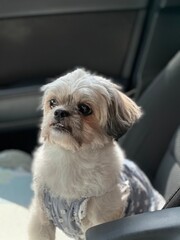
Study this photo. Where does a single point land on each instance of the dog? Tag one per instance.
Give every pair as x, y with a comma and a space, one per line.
80, 175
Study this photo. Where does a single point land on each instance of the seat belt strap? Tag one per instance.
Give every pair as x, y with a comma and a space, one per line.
174, 200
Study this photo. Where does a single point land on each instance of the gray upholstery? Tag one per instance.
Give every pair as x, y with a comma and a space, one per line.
167, 179
161, 41
148, 140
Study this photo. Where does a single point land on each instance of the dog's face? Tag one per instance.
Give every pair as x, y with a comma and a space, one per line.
82, 109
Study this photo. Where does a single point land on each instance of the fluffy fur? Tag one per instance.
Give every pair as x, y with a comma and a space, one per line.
79, 156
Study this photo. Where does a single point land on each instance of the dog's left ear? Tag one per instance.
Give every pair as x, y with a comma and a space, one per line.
123, 113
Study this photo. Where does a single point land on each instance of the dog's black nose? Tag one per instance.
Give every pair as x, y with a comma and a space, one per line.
59, 114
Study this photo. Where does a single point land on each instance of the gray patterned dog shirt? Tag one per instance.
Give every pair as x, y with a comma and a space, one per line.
67, 215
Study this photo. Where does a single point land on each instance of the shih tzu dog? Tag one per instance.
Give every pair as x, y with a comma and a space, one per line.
81, 178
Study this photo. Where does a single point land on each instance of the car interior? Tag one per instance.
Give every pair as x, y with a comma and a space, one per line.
133, 42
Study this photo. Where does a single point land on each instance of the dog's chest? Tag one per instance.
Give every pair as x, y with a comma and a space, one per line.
69, 177
75, 175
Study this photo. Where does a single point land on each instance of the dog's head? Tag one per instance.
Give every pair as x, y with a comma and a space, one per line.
82, 109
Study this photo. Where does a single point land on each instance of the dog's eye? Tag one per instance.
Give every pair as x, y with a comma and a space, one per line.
53, 103
84, 109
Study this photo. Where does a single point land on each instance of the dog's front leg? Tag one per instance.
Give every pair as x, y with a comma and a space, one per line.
40, 228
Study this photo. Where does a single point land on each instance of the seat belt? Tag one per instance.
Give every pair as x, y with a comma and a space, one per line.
174, 200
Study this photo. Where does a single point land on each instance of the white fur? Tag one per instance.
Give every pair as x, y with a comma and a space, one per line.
73, 176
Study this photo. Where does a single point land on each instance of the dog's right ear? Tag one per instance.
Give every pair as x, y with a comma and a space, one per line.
122, 114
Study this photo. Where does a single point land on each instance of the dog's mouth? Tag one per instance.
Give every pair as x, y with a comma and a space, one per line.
60, 127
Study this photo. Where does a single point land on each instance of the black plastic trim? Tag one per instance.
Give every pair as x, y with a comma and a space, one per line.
169, 3
20, 107
157, 225
21, 8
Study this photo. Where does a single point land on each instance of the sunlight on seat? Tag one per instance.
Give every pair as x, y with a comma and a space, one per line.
14, 221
